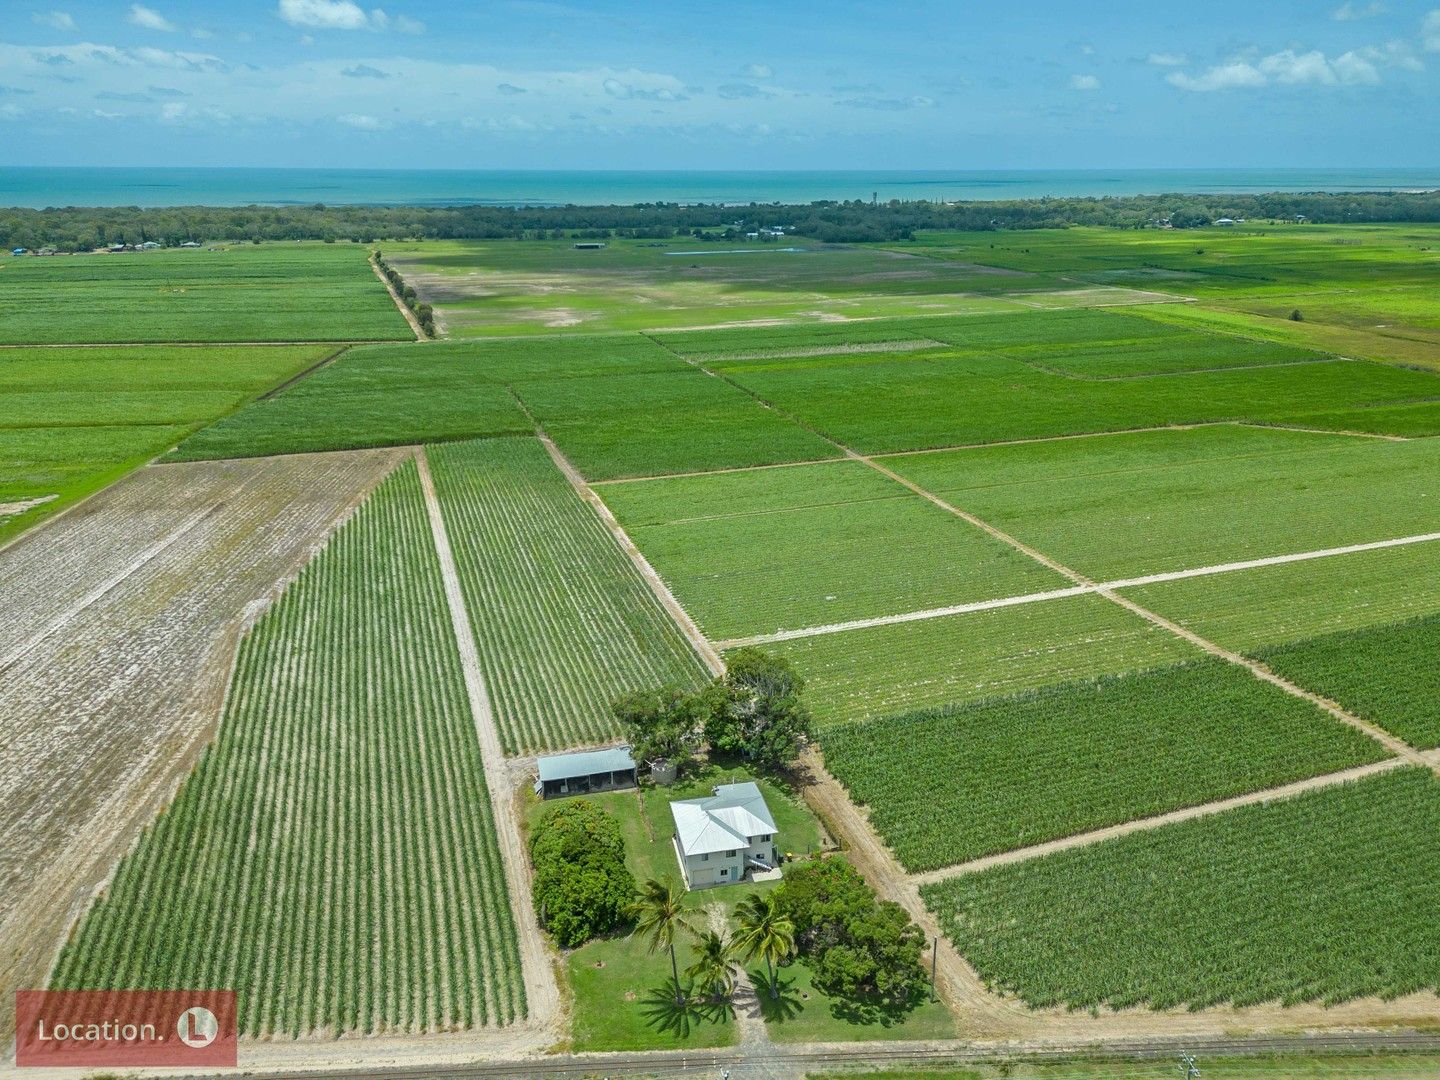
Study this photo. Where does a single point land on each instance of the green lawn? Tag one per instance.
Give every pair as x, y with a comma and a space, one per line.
805, 1014
619, 1003
78, 419
265, 292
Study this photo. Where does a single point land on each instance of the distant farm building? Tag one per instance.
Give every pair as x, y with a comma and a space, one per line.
589, 245
585, 772
722, 839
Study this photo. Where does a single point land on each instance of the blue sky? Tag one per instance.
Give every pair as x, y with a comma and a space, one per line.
736, 85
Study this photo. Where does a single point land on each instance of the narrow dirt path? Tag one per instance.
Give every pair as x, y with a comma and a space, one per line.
1075, 590
1079, 840
754, 1035
399, 303
542, 994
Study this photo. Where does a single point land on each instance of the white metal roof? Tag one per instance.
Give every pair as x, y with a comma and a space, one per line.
723, 821
585, 763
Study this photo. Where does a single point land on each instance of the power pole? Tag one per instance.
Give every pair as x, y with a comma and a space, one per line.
1188, 1069
934, 959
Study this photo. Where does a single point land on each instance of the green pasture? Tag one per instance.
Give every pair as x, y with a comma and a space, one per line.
264, 292
486, 287
1361, 290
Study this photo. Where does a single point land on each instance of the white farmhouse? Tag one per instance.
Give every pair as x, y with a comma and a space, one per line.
722, 838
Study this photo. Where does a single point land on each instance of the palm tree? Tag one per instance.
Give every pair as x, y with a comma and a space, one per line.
766, 932
659, 913
714, 967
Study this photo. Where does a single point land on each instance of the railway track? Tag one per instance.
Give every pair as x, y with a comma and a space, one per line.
802, 1060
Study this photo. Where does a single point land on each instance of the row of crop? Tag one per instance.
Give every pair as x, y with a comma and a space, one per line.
1325, 897
1388, 674
424, 313
563, 621
957, 783
332, 858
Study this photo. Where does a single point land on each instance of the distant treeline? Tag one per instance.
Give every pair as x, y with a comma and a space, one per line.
84, 228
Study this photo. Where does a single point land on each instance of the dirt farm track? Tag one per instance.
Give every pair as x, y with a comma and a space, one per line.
120, 622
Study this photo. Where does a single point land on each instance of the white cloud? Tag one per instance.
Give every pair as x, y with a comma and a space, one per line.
1430, 31
1084, 82
1290, 68
637, 87
888, 104
1222, 77
326, 14
149, 19
173, 111
1353, 69
363, 122
1167, 59
408, 26
56, 20
757, 71
1353, 12
1393, 54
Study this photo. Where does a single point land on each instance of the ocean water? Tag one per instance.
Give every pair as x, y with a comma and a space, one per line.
36, 186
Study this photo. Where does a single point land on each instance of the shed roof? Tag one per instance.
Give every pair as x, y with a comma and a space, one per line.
723, 821
585, 763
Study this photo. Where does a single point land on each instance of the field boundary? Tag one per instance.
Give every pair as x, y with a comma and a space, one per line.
300, 376
1075, 590
1145, 824
542, 993
413, 322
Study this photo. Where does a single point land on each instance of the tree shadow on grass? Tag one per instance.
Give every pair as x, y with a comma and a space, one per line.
779, 1002
663, 1013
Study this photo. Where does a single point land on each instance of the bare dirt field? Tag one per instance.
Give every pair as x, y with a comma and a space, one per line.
120, 620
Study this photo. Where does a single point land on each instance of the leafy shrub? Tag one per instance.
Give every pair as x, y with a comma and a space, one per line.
863, 950
582, 886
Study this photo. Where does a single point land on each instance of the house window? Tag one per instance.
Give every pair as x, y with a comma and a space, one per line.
765, 839
724, 873
705, 858
729, 854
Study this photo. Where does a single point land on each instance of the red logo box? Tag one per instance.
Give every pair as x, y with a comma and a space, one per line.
124, 1028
